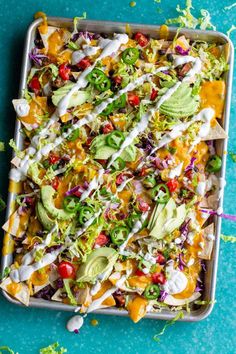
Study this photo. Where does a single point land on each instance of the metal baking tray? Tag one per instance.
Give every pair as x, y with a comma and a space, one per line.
221, 146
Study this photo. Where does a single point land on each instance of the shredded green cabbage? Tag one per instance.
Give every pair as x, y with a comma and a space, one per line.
69, 292
53, 349
233, 156
168, 323
231, 239
76, 21
186, 18
17, 151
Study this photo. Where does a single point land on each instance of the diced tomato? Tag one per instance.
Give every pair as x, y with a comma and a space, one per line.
89, 141
172, 185
102, 239
158, 278
160, 258
117, 79
139, 273
133, 99
154, 94
108, 127
84, 63
66, 270
77, 194
64, 71
189, 174
53, 159
102, 162
55, 183
141, 39
120, 179
143, 171
142, 205
34, 84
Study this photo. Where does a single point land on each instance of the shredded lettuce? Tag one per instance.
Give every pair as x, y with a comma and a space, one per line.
231, 239
69, 292
17, 151
5, 272
76, 21
186, 18
2, 146
168, 323
204, 302
230, 6
53, 349
232, 28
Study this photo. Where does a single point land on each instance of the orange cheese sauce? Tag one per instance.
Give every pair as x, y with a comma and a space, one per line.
110, 301
212, 95
8, 245
14, 288
137, 308
38, 107
39, 278
55, 42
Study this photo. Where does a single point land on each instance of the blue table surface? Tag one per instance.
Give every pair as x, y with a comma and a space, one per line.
27, 330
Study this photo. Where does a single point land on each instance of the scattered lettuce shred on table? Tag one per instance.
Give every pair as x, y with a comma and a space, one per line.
231, 239
2, 146
187, 19
179, 316
5, 349
51, 349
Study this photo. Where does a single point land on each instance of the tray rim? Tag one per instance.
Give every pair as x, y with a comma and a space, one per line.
205, 310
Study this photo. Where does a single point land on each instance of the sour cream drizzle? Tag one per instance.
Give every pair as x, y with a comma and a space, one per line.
109, 48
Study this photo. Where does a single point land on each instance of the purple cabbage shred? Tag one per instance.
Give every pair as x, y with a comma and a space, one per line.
181, 51
163, 295
222, 215
191, 165
37, 57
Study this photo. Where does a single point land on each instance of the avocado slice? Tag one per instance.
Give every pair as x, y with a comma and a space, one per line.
169, 219
181, 103
47, 193
43, 217
78, 98
104, 152
98, 262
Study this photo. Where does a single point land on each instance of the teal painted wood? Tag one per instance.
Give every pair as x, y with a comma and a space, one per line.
27, 330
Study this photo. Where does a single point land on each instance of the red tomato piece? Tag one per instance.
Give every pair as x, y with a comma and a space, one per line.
139, 273
172, 185
102, 239
160, 258
154, 94
55, 183
64, 71
108, 127
66, 270
102, 162
133, 99
143, 206
89, 141
53, 159
117, 79
84, 63
34, 84
158, 278
141, 39
143, 171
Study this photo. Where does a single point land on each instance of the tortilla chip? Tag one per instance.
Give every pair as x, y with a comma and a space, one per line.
45, 36
19, 291
208, 243
57, 295
37, 288
216, 132
172, 301
17, 223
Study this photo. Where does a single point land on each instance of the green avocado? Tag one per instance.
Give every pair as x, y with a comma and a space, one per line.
47, 193
78, 98
169, 219
98, 262
43, 217
181, 104
103, 152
